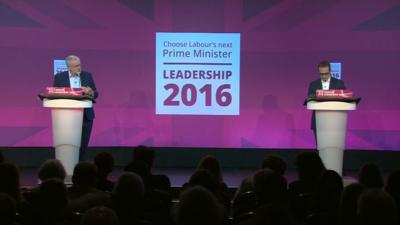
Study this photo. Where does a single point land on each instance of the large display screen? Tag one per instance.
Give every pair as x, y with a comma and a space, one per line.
209, 73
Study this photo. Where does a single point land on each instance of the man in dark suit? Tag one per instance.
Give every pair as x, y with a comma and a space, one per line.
76, 78
325, 82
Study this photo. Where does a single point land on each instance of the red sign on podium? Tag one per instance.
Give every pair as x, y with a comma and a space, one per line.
63, 91
334, 94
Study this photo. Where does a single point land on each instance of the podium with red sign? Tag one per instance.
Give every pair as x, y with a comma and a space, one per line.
331, 108
67, 105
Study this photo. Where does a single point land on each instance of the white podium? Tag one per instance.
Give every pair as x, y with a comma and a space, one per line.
67, 118
331, 123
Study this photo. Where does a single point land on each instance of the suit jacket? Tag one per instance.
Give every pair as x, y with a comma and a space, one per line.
335, 84
62, 80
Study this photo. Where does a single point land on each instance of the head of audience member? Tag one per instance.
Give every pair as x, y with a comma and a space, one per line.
328, 191
205, 179
211, 164
348, 204
9, 177
324, 70
198, 206
309, 167
376, 207
144, 154
128, 191
51, 168
105, 163
100, 216
393, 184
85, 173
370, 176
53, 195
269, 187
274, 163
8, 209
1, 157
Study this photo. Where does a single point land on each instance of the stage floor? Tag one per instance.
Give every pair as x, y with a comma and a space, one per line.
178, 177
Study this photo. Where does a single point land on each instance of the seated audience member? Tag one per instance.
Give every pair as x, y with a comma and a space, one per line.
376, 207
143, 170
205, 179
348, 204
83, 193
326, 199
270, 187
246, 185
127, 198
100, 216
9, 177
309, 167
270, 190
198, 206
144, 154
9, 184
393, 188
51, 168
370, 176
157, 202
211, 164
8, 209
274, 163
105, 164
244, 200
1, 157
52, 201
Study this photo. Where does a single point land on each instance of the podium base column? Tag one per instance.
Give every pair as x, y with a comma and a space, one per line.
68, 156
331, 138
332, 159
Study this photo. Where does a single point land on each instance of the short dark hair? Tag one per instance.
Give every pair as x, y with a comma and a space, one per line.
371, 176
275, 163
197, 205
104, 162
309, 166
269, 187
144, 154
51, 168
375, 206
324, 64
85, 173
9, 174
211, 164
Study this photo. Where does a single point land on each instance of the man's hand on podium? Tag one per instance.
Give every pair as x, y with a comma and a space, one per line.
88, 91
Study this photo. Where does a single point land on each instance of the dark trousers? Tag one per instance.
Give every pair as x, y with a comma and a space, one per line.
86, 131
315, 137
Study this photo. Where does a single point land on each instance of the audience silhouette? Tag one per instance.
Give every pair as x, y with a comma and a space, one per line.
138, 196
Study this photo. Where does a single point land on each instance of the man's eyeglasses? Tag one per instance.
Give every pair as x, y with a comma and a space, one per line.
324, 74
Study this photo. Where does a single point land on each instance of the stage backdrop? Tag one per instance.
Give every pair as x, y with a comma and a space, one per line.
281, 43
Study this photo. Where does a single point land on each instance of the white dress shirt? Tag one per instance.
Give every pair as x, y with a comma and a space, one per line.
325, 84
74, 81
